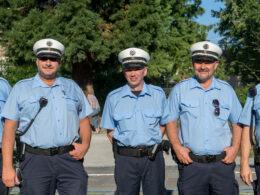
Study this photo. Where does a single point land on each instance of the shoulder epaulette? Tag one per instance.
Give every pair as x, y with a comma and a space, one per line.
25, 80
223, 82
115, 91
156, 87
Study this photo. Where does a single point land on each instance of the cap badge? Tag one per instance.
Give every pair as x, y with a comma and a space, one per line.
206, 46
132, 52
49, 43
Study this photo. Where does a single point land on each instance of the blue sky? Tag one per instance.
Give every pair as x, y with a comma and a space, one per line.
207, 19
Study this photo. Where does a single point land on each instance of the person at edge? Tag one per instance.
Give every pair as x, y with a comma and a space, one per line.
135, 116
5, 89
59, 137
245, 119
202, 143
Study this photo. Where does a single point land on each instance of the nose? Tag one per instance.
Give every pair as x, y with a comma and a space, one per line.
48, 62
203, 65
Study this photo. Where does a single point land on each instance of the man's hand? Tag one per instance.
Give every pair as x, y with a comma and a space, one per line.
231, 153
183, 155
79, 151
9, 177
110, 135
245, 173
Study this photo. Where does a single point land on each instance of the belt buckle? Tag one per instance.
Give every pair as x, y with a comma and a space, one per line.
141, 151
54, 151
211, 158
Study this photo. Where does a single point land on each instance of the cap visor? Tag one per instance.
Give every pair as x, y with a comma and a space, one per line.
204, 58
50, 55
133, 65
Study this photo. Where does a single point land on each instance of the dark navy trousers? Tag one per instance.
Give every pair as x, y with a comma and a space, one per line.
131, 172
214, 178
3, 188
256, 184
42, 175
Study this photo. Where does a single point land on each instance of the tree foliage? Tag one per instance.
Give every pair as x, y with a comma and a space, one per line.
95, 31
240, 27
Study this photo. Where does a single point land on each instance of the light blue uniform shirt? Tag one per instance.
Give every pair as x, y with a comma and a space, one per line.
5, 89
58, 122
245, 117
136, 120
200, 130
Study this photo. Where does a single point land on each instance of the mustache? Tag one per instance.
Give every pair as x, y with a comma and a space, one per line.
203, 70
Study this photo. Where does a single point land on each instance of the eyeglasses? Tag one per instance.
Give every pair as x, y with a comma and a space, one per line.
48, 58
133, 69
215, 103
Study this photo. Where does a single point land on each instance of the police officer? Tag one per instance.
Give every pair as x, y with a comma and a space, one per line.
59, 136
134, 116
202, 144
5, 89
252, 105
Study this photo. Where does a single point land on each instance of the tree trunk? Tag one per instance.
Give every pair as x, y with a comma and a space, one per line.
82, 74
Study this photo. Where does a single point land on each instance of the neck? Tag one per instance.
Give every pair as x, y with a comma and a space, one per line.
137, 88
207, 83
48, 82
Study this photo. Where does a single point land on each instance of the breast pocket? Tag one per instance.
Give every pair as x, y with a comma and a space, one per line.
152, 117
72, 102
29, 107
31, 104
124, 121
257, 109
190, 108
224, 113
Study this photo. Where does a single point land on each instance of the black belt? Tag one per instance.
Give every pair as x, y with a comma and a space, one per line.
49, 151
139, 151
207, 158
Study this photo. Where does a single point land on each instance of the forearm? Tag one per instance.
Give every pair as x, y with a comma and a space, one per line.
85, 132
237, 132
245, 146
8, 143
173, 133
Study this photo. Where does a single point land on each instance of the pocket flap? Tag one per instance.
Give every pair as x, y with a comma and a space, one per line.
71, 97
122, 116
190, 103
225, 106
152, 113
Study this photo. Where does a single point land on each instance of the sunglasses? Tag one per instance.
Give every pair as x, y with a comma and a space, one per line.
215, 103
49, 58
133, 69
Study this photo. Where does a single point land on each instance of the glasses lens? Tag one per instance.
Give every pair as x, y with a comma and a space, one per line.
48, 58
216, 105
215, 102
133, 69
217, 111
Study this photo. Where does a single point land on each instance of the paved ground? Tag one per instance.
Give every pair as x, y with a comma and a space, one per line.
99, 164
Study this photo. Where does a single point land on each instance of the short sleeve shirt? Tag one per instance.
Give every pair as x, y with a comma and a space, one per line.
203, 132
245, 117
5, 89
136, 120
57, 124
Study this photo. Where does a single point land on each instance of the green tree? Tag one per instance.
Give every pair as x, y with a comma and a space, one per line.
240, 27
94, 32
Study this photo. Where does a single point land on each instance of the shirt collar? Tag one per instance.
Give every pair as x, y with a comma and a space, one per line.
196, 84
127, 92
37, 82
